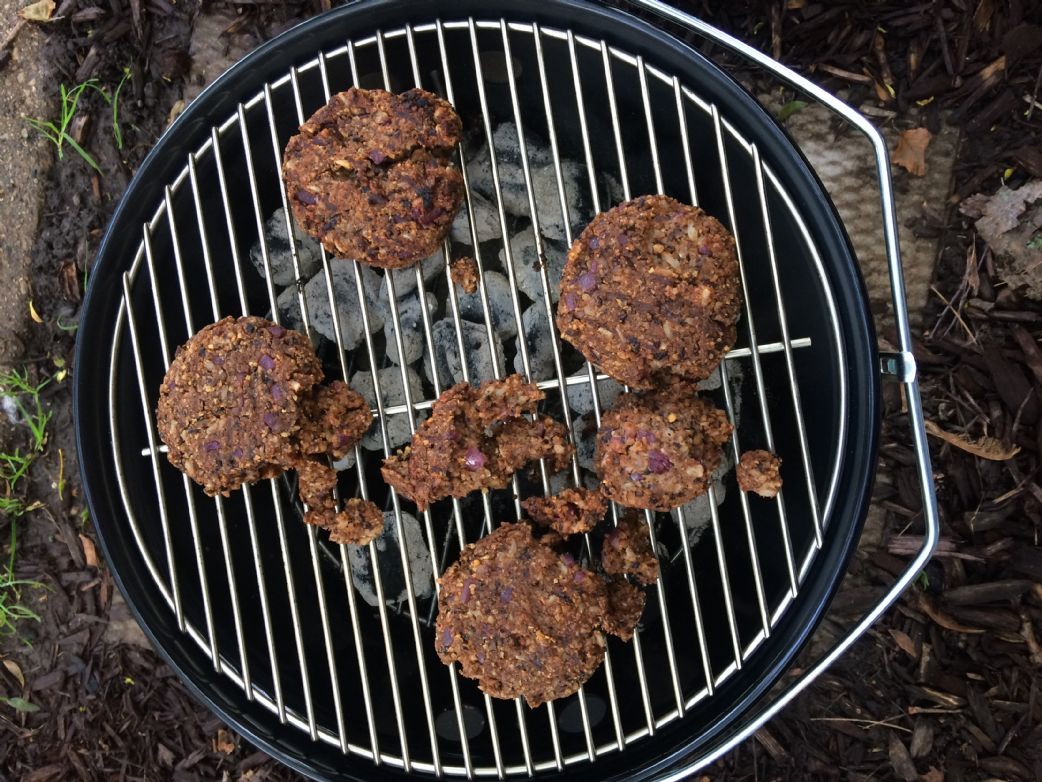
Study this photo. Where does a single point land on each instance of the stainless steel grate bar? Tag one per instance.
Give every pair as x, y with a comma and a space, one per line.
312, 533
574, 380
508, 264
287, 565
193, 520
590, 372
761, 391
246, 489
457, 325
515, 105
359, 460
685, 141
649, 517
373, 554
681, 517
247, 493
222, 521
146, 411
783, 321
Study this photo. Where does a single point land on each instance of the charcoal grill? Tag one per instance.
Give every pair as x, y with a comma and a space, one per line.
261, 616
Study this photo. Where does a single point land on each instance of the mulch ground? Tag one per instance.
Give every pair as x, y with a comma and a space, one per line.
945, 687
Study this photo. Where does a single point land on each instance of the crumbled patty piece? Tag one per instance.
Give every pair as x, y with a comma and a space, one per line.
465, 273
520, 618
571, 512
658, 449
625, 605
369, 175
476, 438
759, 471
553, 539
360, 522
242, 402
315, 483
335, 418
627, 551
651, 288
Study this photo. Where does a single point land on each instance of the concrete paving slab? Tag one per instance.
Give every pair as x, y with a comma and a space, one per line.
846, 167
24, 161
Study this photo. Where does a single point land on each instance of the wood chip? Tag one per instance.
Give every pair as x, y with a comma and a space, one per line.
992, 592
985, 447
922, 738
910, 153
1029, 347
772, 745
90, 554
223, 742
901, 760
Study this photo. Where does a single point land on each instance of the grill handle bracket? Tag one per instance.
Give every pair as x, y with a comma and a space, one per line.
899, 364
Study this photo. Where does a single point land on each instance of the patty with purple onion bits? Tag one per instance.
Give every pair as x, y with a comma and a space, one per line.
243, 400
651, 290
658, 449
525, 620
370, 175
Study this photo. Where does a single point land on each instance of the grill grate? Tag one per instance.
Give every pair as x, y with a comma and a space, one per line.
330, 681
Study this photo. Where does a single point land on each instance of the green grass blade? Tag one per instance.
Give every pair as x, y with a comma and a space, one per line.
82, 151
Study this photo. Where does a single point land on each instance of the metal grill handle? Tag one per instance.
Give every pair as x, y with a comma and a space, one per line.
899, 366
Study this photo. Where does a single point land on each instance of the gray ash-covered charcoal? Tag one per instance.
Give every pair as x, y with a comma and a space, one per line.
711, 383
405, 279
500, 305
528, 265
584, 435
543, 176
580, 398
389, 557
508, 158
486, 219
410, 316
548, 199
611, 191
345, 294
346, 462
475, 350
280, 256
392, 394
539, 343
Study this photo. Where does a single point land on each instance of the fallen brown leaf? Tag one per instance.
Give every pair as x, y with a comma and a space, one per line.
223, 742
941, 618
984, 447
911, 150
14, 669
1009, 222
40, 11
933, 775
905, 642
90, 554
